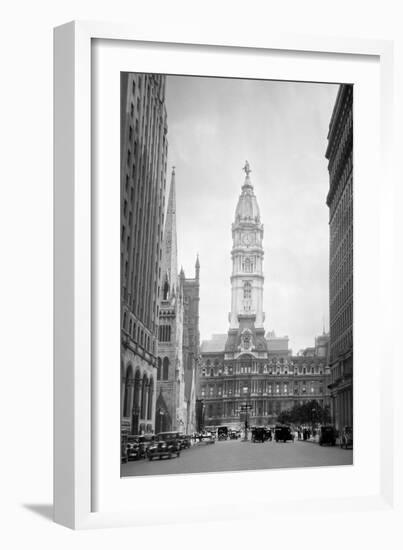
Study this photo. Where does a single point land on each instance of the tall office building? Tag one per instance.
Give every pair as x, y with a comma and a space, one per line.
340, 202
143, 184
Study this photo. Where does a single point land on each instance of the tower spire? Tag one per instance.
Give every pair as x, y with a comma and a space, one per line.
247, 259
169, 264
197, 266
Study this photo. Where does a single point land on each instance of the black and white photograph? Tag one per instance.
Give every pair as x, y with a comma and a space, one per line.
236, 274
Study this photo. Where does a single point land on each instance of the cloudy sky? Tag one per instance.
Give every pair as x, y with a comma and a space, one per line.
214, 125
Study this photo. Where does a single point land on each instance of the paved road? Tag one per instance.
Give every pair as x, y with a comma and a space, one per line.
238, 455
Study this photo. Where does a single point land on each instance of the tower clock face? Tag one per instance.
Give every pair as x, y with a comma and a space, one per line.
247, 239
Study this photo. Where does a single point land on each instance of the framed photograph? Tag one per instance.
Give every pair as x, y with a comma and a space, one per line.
222, 248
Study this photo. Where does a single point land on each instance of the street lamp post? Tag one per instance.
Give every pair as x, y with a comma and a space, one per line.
245, 409
312, 420
161, 413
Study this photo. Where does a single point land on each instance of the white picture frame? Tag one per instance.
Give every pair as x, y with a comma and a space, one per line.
82, 483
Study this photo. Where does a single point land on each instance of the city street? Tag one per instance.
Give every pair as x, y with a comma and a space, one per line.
238, 455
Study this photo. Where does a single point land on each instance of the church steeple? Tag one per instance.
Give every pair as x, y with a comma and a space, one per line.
169, 263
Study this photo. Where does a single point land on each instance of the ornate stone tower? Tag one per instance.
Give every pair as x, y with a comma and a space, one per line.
246, 330
247, 259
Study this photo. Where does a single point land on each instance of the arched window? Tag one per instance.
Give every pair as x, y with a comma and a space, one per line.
137, 390
159, 368
247, 290
150, 399
128, 386
165, 368
165, 291
143, 396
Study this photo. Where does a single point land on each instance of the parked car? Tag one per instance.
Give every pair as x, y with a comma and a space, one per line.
184, 441
123, 449
346, 438
258, 435
327, 434
145, 441
222, 433
161, 449
171, 437
283, 433
206, 438
235, 434
133, 448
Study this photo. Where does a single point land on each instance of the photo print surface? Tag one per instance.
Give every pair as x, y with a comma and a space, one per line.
236, 274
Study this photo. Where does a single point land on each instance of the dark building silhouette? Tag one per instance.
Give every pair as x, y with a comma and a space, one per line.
340, 202
143, 186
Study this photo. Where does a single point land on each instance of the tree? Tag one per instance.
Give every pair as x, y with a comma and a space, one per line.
310, 412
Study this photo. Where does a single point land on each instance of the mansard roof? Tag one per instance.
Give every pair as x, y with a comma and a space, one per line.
215, 345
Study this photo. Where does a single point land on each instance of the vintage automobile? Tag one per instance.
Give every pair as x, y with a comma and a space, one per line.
235, 434
327, 434
283, 433
166, 444
259, 435
222, 433
123, 448
346, 438
169, 436
184, 441
145, 441
206, 438
133, 448
161, 449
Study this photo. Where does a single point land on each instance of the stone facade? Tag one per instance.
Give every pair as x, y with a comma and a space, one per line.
178, 335
245, 366
340, 202
269, 385
143, 181
191, 343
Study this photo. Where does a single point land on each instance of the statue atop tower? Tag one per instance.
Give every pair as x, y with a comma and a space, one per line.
246, 168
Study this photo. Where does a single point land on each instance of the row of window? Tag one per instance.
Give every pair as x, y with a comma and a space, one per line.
342, 218
343, 344
269, 389
164, 333
137, 333
230, 371
139, 205
138, 395
337, 255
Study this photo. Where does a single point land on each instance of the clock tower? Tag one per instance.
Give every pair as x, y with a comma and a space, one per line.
247, 260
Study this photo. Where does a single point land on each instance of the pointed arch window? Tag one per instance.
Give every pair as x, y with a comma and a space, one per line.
165, 368
165, 290
150, 400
